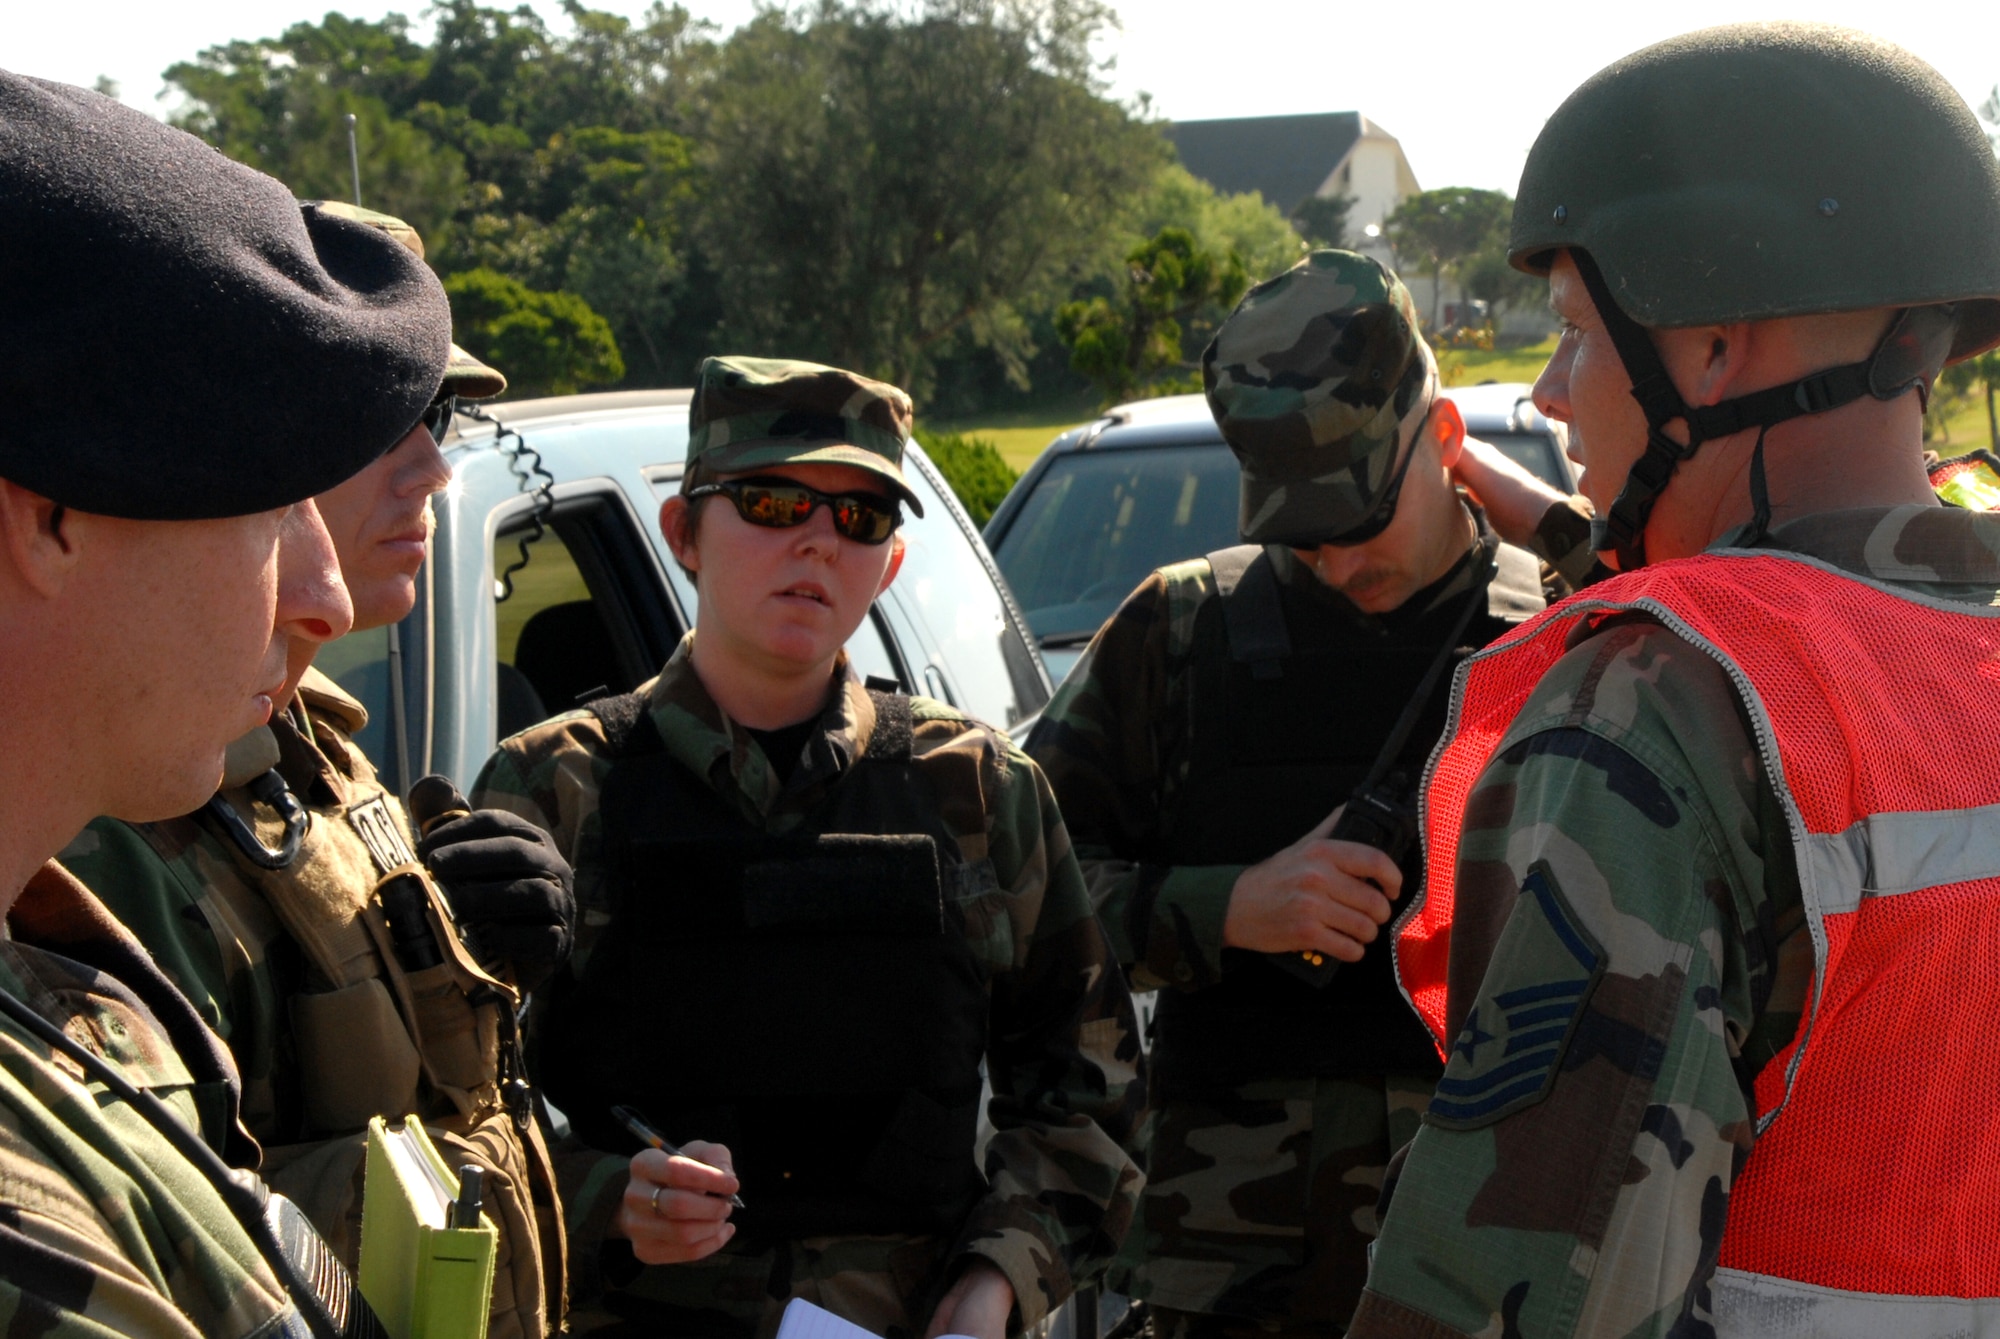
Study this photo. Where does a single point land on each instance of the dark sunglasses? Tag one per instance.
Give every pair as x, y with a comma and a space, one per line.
780, 504
438, 417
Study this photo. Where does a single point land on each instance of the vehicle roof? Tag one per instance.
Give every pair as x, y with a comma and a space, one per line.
1171, 420
1185, 420
568, 408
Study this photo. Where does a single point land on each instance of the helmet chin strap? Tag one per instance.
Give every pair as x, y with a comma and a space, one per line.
1909, 356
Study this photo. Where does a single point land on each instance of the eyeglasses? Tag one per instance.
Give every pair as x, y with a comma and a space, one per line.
780, 504
438, 417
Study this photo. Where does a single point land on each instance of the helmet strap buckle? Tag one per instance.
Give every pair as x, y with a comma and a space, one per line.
1908, 356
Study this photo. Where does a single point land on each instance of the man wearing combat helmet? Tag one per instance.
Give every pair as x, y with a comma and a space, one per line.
1715, 847
1198, 751
258, 906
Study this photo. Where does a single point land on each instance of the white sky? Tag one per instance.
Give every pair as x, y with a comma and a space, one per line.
1464, 86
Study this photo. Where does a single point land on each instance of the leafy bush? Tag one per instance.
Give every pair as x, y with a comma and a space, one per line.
544, 343
973, 467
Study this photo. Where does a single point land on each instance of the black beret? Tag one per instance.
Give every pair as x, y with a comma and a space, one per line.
179, 338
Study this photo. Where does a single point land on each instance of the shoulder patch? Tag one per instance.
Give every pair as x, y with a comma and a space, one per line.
1507, 1054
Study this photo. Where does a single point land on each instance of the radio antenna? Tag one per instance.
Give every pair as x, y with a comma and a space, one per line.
353, 158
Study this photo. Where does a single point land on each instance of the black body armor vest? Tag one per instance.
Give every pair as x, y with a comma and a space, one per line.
809, 1000
1291, 703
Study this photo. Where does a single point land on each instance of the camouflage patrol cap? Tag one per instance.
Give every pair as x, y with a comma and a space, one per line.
749, 413
1310, 380
464, 376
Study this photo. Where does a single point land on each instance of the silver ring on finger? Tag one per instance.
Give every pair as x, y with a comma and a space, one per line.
655, 1201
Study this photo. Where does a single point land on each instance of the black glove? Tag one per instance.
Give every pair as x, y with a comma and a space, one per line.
512, 893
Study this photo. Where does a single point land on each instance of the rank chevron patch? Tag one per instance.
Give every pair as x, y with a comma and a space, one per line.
1506, 1055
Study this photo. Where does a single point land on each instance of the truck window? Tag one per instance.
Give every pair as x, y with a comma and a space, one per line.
578, 620
981, 664
359, 663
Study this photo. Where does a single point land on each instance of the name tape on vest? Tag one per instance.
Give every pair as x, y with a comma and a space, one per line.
382, 832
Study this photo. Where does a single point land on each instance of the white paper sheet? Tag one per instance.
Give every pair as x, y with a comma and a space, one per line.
803, 1320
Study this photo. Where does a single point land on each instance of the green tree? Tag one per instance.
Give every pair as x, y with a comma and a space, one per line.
1322, 220
614, 201
978, 474
546, 343
1255, 230
1123, 344
280, 104
549, 159
880, 186
1486, 275
1443, 230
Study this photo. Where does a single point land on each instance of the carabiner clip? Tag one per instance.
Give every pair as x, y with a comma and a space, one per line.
270, 788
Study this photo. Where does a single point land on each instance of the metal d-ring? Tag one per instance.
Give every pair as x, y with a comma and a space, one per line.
271, 789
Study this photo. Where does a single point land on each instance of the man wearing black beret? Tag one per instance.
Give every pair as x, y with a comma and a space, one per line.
255, 905
186, 359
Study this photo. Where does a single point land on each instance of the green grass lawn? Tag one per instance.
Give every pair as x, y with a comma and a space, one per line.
1020, 435
1469, 367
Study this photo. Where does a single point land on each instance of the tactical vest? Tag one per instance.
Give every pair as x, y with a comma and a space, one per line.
1865, 1207
809, 1000
1290, 704
375, 1038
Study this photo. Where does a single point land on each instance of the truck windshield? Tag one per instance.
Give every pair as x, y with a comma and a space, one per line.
1098, 522
1535, 452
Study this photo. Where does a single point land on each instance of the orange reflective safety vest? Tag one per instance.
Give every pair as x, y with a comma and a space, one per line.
1873, 1206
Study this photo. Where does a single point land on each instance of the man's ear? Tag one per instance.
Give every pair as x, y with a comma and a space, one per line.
674, 516
33, 537
1448, 428
1707, 360
896, 551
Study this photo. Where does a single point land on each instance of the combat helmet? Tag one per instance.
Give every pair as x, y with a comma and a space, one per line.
1311, 380
1757, 171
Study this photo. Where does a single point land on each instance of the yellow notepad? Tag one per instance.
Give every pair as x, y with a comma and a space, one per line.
425, 1280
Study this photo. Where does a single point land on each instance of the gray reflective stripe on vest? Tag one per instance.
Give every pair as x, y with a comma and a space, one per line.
1886, 854
1756, 1306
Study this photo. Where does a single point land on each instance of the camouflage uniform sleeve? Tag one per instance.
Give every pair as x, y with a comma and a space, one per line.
523, 777
549, 775
159, 901
1644, 955
1063, 1058
61, 1278
1100, 742
1562, 540
104, 1228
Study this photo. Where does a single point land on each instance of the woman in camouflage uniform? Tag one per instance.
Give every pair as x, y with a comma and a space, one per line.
811, 908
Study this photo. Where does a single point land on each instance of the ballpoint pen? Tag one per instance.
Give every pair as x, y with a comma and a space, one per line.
646, 1134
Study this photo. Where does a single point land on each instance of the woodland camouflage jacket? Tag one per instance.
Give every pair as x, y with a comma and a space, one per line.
1063, 1056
